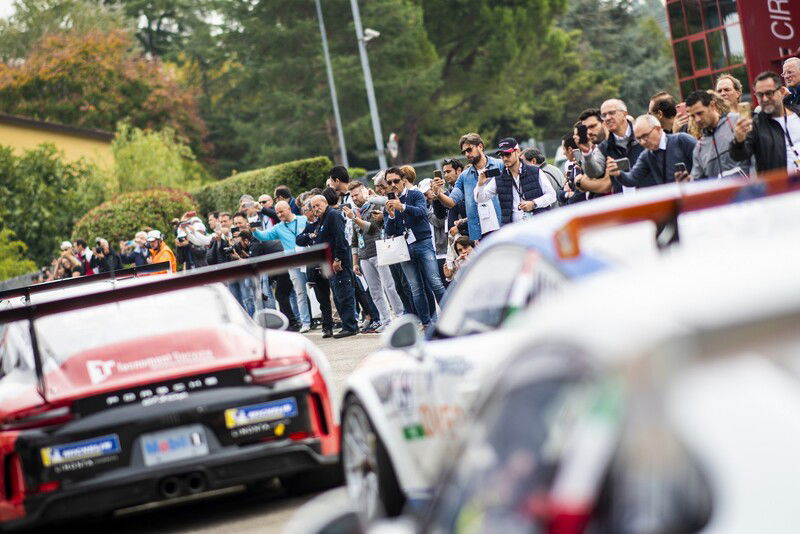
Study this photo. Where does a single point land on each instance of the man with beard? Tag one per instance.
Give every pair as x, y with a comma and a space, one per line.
590, 156
773, 136
711, 157
471, 146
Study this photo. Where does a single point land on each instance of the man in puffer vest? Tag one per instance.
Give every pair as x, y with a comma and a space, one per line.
521, 189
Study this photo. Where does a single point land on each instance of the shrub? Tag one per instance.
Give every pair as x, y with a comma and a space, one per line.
298, 175
12, 256
120, 218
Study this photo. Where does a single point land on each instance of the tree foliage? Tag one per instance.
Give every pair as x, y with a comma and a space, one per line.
13, 259
96, 79
43, 196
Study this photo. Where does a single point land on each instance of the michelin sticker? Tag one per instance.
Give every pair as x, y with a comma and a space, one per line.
260, 413
80, 453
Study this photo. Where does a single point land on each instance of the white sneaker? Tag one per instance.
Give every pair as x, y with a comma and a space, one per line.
381, 328
305, 328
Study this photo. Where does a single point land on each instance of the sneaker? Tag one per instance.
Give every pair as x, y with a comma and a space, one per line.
305, 328
344, 333
371, 328
364, 324
327, 332
381, 328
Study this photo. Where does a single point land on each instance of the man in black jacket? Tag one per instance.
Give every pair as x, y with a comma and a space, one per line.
331, 231
773, 136
320, 284
105, 258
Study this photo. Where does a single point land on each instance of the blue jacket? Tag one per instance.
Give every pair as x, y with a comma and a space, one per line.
464, 189
286, 232
414, 218
331, 231
651, 170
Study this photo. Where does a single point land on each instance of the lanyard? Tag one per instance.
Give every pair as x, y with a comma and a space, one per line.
518, 186
295, 227
716, 150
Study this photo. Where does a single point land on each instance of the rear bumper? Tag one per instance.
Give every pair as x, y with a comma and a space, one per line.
229, 467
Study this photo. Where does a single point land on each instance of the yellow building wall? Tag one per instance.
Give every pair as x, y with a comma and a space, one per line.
74, 147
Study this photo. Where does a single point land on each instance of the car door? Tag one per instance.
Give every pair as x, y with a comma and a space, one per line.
502, 281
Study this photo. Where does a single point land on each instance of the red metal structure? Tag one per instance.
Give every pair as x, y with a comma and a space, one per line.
739, 37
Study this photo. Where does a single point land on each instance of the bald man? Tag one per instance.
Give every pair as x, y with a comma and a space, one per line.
331, 231
791, 77
667, 157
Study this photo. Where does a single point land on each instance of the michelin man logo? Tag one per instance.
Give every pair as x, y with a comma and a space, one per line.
99, 370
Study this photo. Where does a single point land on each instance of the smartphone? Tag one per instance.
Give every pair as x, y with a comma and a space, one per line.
391, 195
745, 110
583, 134
491, 173
437, 174
680, 167
681, 107
623, 164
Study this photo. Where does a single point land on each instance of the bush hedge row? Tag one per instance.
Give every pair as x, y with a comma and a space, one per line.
120, 218
299, 176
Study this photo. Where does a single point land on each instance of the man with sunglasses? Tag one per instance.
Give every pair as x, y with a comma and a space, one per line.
523, 191
773, 135
472, 146
664, 156
407, 215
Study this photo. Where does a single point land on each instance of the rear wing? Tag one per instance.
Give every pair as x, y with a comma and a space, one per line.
27, 291
665, 211
318, 255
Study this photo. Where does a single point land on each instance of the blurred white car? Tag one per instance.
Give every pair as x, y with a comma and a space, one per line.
405, 403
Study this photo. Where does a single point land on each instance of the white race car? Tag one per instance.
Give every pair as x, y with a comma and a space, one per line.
404, 403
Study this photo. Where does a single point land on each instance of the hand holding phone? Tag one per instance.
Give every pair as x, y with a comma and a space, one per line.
623, 164
391, 195
583, 134
745, 111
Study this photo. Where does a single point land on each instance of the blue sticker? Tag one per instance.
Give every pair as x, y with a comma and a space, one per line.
257, 413
81, 450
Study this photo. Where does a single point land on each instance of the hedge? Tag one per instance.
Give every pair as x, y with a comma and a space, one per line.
120, 218
299, 176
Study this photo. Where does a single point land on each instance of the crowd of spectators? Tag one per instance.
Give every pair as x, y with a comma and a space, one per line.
440, 220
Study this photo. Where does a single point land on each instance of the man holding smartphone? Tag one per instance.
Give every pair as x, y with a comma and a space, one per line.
472, 147
523, 191
664, 156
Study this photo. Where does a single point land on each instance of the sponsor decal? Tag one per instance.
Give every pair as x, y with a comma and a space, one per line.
259, 413
452, 366
100, 370
80, 451
193, 440
412, 432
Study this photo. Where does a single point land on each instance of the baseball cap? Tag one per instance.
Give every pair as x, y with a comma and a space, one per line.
152, 235
424, 185
506, 145
180, 233
65, 245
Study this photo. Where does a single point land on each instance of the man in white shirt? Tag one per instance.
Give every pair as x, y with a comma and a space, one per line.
523, 191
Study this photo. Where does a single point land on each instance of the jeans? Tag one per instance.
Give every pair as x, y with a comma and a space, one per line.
401, 285
344, 297
322, 290
298, 278
422, 271
381, 284
243, 292
266, 290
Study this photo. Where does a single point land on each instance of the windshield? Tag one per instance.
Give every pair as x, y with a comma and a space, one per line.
64, 335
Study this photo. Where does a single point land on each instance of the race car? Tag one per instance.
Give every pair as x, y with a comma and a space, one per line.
154, 389
675, 410
403, 404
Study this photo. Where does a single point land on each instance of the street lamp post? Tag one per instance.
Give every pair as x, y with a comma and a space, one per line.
373, 106
332, 86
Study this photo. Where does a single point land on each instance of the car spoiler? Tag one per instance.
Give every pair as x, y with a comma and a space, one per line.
318, 255
27, 291
665, 211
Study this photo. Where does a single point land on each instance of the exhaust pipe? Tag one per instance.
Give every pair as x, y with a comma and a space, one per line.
195, 482
170, 487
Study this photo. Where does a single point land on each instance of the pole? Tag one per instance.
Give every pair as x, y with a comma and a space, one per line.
373, 106
332, 86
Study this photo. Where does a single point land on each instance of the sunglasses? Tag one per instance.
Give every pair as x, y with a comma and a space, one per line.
399, 180
263, 201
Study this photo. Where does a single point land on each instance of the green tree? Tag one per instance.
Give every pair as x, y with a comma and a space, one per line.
146, 159
43, 195
13, 261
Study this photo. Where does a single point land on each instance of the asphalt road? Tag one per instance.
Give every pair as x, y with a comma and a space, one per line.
265, 510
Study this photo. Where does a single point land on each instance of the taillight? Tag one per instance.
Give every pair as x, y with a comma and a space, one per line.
276, 369
13, 480
36, 419
48, 487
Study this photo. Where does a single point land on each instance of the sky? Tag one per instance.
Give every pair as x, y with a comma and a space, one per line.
6, 8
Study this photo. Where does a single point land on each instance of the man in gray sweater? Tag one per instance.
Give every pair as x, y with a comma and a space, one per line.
711, 157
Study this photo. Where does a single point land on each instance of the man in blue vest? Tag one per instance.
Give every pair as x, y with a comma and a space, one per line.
406, 214
472, 147
523, 191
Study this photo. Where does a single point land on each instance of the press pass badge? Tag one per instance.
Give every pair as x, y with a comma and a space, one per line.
484, 210
410, 237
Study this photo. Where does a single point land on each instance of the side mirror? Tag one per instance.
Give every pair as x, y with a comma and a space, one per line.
404, 333
271, 319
